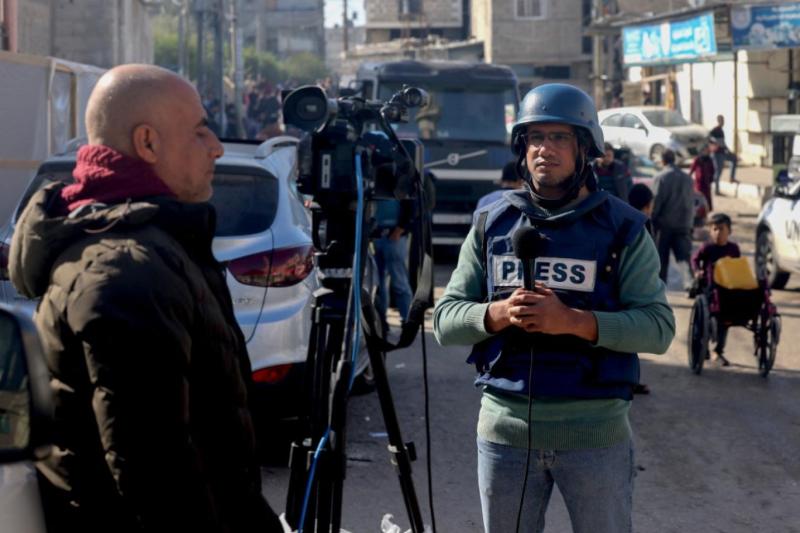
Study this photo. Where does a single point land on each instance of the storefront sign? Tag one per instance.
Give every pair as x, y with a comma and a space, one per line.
766, 27
670, 42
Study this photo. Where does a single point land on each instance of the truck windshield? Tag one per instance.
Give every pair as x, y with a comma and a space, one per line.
459, 113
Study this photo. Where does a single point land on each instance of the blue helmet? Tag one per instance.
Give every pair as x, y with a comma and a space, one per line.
558, 103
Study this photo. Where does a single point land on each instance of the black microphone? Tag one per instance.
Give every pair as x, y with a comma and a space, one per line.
527, 243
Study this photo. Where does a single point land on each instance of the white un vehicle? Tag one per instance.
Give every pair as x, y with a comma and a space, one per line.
778, 235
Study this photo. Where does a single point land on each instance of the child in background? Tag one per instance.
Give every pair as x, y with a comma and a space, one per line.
702, 172
703, 264
641, 197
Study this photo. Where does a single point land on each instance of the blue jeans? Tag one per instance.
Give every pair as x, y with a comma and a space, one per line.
597, 486
719, 158
390, 258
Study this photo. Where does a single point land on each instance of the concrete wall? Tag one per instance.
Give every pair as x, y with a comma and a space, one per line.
763, 83
97, 32
554, 39
436, 14
33, 19
651, 6
706, 89
334, 45
480, 26
286, 28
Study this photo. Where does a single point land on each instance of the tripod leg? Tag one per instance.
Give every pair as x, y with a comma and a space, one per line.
402, 455
338, 463
324, 355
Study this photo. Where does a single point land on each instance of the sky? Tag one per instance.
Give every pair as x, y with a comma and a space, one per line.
333, 11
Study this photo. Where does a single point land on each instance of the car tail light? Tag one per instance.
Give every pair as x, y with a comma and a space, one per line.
4, 253
277, 268
272, 374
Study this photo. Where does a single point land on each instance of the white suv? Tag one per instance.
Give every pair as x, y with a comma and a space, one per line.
778, 235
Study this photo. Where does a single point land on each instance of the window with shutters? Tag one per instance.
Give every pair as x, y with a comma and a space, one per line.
530, 9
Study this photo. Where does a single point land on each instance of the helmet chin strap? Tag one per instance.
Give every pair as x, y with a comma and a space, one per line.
571, 186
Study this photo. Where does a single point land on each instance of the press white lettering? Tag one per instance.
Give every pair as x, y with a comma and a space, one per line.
555, 272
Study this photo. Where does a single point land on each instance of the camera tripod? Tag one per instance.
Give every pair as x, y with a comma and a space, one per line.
316, 505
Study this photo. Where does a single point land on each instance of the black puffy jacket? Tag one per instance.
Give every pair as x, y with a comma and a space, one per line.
149, 369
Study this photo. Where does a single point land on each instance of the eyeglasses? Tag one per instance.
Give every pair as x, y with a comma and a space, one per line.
559, 139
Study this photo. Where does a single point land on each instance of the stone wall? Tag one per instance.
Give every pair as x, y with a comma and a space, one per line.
97, 32
436, 14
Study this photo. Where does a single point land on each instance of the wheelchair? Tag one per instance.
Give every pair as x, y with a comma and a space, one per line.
744, 302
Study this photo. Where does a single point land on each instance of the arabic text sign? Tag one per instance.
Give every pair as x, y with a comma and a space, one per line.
670, 41
766, 27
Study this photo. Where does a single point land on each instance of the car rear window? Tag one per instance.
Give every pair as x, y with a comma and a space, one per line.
613, 120
246, 199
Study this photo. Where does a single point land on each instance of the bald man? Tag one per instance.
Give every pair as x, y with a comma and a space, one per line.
149, 368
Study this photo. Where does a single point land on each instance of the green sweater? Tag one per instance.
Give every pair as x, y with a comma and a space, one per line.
646, 325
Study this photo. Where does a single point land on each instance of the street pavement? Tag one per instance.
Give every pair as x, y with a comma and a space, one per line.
714, 453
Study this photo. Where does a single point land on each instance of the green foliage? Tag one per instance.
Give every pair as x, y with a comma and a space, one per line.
302, 68
305, 68
165, 50
262, 66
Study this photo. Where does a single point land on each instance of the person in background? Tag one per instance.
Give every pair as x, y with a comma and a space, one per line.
720, 152
673, 214
509, 180
150, 372
703, 260
393, 222
612, 174
641, 199
702, 172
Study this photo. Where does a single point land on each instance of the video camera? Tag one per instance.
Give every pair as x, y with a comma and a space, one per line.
338, 130
349, 161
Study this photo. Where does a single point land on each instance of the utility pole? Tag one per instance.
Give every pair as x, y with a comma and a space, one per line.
237, 43
182, 14
200, 7
598, 62
344, 27
219, 62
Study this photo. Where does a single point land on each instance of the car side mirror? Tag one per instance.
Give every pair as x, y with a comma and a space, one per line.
26, 405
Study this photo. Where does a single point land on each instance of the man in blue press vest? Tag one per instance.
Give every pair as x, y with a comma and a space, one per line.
557, 364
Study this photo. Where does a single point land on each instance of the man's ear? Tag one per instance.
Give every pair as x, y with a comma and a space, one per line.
145, 143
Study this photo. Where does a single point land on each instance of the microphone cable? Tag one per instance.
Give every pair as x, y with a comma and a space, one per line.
428, 459
530, 432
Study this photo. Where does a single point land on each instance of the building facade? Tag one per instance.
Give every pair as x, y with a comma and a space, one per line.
97, 32
285, 27
397, 19
542, 40
334, 45
747, 86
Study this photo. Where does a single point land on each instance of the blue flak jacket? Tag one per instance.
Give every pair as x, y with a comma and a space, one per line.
579, 260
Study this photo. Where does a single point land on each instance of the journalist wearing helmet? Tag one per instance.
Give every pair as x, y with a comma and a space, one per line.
557, 363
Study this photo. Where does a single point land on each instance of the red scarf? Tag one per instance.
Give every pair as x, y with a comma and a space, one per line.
106, 176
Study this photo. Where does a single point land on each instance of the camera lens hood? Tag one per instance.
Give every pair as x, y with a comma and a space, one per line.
308, 108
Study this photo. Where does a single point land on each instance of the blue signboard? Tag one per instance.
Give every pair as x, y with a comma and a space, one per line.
766, 27
670, 42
